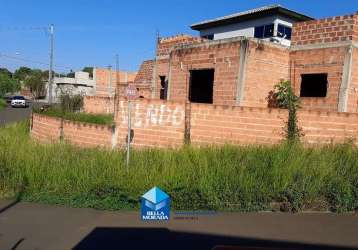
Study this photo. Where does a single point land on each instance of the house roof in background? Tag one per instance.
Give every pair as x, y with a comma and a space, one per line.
252, 14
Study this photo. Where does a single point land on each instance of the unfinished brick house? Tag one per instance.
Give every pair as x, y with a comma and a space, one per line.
214, 88
241, 71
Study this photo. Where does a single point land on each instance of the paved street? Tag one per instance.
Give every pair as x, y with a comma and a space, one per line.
9, 114
33, 226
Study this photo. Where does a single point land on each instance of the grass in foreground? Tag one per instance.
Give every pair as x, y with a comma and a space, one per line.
221, 178
101, 119
3, 104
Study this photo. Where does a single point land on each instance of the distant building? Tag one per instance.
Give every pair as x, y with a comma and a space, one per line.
82, 84
273, 23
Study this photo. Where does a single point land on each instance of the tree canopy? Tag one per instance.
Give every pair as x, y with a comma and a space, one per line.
89, 70
8, 84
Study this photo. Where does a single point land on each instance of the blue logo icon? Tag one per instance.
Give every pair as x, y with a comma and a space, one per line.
155, 205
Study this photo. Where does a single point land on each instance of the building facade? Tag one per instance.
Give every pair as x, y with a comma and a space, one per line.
321, 64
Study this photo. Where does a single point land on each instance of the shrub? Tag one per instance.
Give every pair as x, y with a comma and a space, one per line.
284, 97
3, 104
70, 102
101, 119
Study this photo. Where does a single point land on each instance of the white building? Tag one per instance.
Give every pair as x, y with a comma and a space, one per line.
273, 23
80, 84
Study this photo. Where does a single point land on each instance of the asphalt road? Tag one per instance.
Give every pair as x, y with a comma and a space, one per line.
34, 226
9, 114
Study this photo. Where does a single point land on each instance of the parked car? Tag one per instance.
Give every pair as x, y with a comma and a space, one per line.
18, 101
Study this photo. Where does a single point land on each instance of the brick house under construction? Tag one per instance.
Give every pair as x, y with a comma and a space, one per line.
321, 62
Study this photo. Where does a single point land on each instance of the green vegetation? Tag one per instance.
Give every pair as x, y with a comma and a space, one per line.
287, 99
222, 178
2, 104
7, 83
101, 119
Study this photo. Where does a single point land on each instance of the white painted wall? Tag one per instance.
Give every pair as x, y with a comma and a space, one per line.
247, 28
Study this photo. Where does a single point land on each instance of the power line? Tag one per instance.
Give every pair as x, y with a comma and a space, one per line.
33, 61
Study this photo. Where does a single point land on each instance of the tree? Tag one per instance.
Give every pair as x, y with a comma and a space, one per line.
88, 70
8, 84
5, 71
21, 73
36, 84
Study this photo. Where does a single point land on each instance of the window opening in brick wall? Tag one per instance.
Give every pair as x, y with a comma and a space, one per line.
314, 85
163, 88
201, 86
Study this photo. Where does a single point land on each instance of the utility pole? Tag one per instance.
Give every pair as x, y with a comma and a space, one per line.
50, 76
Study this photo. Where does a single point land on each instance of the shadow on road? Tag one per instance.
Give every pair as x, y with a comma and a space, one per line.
17, 244
12, 204
162, 238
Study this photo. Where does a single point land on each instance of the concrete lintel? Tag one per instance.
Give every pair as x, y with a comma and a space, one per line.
324, 45
346, 80
226, 41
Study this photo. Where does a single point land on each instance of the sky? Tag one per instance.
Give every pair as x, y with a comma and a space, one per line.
92, 32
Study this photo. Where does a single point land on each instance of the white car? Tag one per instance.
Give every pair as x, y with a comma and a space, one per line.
18, 101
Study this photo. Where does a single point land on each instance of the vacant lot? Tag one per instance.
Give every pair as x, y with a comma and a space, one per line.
221, 178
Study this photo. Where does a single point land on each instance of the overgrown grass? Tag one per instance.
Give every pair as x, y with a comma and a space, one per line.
3, 104
220, 178
101, 119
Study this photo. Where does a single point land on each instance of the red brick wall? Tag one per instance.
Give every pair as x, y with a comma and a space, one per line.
328, 60
48, 129
333, 29
321, 127
214, 124
87, 135
265, 68
224, 58
162, 124
45, 128
155, 123
103, 76
266, 65
98, 104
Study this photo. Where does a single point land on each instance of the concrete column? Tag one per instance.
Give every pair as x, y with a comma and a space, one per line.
346, 81
240, 87
95, 80
169, 76
154, 79
109, 81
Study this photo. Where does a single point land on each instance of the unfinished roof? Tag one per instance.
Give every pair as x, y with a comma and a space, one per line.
145, 73
252, 14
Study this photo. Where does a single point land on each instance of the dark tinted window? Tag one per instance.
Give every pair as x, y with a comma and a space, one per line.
264, 31
259, 31
210, 37
19, 98
269, 30
284, 31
